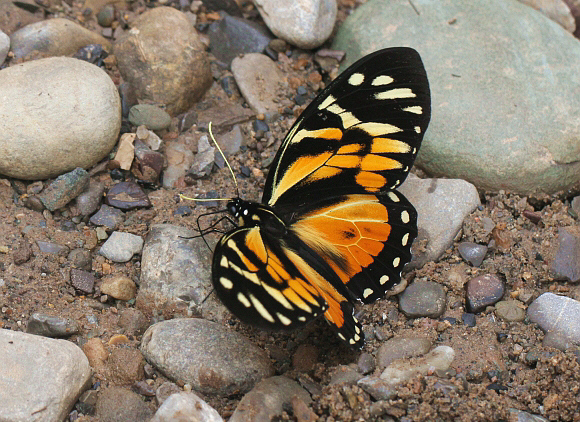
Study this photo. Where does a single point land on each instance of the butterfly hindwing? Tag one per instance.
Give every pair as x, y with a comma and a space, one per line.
361, 134
365, 238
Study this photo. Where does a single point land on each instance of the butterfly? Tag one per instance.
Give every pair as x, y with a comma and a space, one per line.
331, 230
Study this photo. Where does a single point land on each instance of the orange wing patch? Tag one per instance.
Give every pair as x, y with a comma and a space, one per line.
348, 235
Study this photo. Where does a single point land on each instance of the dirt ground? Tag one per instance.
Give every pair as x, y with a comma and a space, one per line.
498, 366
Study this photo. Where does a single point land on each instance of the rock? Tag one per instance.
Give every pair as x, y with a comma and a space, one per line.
149, 116
119, 287
557, 313
124, 366
305, 23
259, 80
4, 47
41, 102
119, 404
230, 142
557, 10
175, 268
366, 363
213, 359
83, 281
442, 206
423, 299
521, 416
120, 247
148, 164
22, 252
173, 68
203, 160
95, 352
575, 206
186, 407
378, 388
344, 375
268, 399
133, 321
64, 189
28, 393
109, 217
232, 36
468, 319
53, 37
13, 17
529, 82
127, 196
125, 151
88, 201
179, 161
51, 248
510, 310
51, 326
80, 258
566, 263
472, 252
483, 291
400, 348
403, 370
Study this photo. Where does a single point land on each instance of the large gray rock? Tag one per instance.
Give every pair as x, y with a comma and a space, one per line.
505, 91
442, 205
57, 114
213, 359
303, 23
40, 378
164, 60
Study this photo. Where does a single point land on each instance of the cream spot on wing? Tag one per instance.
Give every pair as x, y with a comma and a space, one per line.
414, 109
382, 80
378, 129
301, 318
224, 262
405, 239
351, 341
396, 262
356, 337
405, 217
356, 79
393, 197
244, 300
341, 337
417, 129
383, 279
227, 284
327, 101
261, 309
284, 320
393, 94
367, 292
277, 294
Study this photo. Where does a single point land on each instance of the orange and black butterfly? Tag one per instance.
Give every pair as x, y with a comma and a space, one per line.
331, 230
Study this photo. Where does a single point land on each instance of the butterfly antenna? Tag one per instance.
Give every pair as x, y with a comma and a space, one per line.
225, 159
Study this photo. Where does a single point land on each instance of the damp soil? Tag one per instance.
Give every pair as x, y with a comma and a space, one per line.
492, 372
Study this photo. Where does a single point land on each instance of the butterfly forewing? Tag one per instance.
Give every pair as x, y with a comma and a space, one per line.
260, 284
361, 134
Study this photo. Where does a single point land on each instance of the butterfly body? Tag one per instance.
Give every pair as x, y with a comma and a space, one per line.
331, 230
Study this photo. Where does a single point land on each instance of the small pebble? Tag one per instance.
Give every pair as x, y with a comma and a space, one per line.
119, 287
468, 319
120, 247
510, 310
472, 252
127, 196
83, 281
483, 291
51, 326
423, 299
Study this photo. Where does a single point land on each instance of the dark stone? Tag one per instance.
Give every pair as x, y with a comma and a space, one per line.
183, 210
83, 281
260, 125
64, 189
109, 217
127, 196
92, 53
483, 291
80, 258
228, 6
51, 326
149, 115
472, 252
566, 263
468, 319
34, 203
51, 247
235, 35
149, 163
